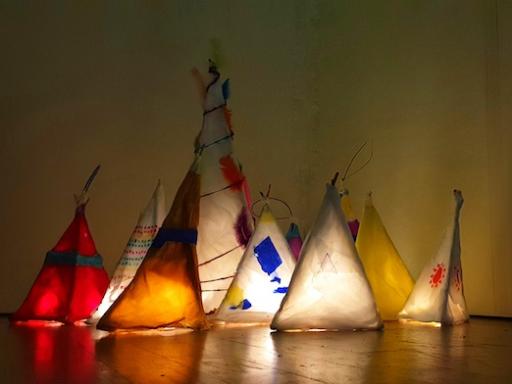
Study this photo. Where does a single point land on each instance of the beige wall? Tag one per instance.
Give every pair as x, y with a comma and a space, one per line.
427, 82
500, 156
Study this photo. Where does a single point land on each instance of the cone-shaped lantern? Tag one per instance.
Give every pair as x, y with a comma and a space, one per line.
225, 224
165, 290
72, 281
294, 240
350, 216
140, 240
438, 295
262, 277
389, 278
329, 289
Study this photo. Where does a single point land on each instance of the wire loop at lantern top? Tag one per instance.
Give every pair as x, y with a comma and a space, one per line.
346, 174
265, 199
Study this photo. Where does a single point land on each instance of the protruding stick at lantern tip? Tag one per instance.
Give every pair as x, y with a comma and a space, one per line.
334, 179
91, 179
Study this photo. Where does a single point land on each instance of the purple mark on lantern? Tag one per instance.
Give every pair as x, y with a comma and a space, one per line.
242, 228
354, 228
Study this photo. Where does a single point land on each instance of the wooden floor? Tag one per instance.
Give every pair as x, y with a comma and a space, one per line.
479, 352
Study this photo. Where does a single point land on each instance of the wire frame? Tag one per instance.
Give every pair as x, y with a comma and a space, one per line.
265, 199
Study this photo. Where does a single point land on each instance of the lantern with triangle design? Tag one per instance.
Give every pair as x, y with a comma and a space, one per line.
329, 288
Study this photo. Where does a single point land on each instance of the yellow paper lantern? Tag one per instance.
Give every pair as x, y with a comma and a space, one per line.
389, 278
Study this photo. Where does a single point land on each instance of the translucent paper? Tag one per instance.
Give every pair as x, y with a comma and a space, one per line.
350, 216
329, 289
438, 295
225, 224
294, 240
165, 290
262, 277
72, 280
140, 240
389, 278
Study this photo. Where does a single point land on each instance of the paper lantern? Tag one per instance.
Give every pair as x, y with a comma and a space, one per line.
72, 281
346, 206
225, 224
438, 295
140, 240
262, 277
294, 240
329, 289
389, 278
165, 291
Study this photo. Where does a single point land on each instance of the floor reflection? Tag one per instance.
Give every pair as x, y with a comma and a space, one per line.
56, 354
152, 358
332, 357
477, 352
242, 354
426, 353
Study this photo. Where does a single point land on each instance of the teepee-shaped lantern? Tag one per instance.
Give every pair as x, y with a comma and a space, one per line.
72, 281
346, 206
294, 240
137, 247
389, 278
262, 277
225, 224
329, 289
438, 295
165, 291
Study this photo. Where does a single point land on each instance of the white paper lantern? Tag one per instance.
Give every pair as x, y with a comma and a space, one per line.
225, 224
438, 295
140, 240
262, 277
329, 289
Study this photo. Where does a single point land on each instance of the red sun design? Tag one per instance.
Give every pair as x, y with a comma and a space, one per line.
437, 276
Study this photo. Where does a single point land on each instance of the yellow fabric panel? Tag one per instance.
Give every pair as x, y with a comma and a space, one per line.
165, 290
389, 278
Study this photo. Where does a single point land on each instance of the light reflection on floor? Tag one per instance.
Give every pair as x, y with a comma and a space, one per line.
475, 352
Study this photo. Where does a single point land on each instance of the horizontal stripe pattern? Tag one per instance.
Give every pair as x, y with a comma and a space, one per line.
73, 258
187, 236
